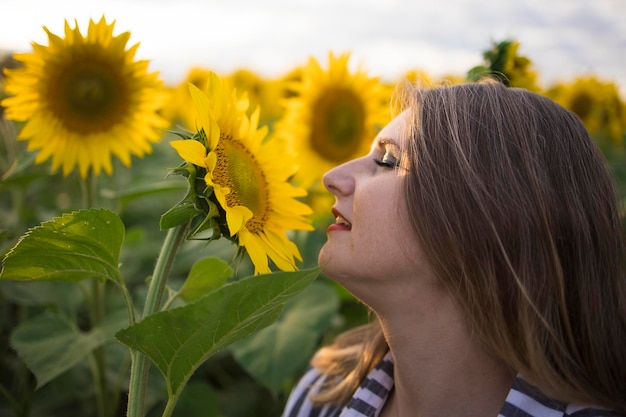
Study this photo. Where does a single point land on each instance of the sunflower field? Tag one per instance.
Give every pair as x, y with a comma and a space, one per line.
159, 242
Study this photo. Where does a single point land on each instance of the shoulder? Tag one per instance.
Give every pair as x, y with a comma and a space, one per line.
525, 400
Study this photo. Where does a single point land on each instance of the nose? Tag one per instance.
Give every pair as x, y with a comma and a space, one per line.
338, 180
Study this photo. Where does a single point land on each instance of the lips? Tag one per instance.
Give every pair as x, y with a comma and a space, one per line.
341, 223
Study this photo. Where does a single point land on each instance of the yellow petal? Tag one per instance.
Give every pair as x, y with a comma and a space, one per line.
212, 131
211, 161
236, 217
190, 150
257, 255
201, 103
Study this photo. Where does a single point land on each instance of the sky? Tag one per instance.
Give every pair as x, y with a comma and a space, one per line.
563, 38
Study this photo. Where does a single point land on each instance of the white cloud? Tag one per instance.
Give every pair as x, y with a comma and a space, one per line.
562, 37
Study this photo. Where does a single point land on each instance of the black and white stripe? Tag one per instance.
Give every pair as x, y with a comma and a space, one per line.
370, 397
523, 400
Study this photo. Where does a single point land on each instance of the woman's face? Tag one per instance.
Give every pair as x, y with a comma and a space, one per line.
372, 240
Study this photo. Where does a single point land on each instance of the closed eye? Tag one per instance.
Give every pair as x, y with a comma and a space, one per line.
387, 161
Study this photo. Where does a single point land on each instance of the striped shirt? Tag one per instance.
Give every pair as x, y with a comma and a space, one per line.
523, 400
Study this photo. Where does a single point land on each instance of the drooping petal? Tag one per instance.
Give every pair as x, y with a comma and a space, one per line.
191, 151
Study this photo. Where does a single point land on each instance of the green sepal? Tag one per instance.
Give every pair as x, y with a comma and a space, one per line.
179, 214
189, 207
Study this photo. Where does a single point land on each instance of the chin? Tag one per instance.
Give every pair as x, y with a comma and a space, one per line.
336, 272
325, 261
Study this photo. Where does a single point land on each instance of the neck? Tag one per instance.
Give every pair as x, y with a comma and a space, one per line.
441, 369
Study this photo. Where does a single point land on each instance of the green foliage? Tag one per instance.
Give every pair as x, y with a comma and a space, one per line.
283, 349
76, 246
179, 340
66, 295
233, 346
197, 400
49, 344
503, 62
206, 275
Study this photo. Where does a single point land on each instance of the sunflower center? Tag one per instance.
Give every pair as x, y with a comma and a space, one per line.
238, 170
582, 104
337, 124
89, 95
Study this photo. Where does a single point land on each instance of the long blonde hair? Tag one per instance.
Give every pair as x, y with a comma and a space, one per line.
519, 219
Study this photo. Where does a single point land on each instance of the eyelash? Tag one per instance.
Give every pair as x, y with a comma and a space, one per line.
384, 162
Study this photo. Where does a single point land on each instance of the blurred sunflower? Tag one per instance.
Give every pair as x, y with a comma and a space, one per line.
248, 176
84, 99
180, 108
597, 103
419, 77
262, 93
422, 79
332, 117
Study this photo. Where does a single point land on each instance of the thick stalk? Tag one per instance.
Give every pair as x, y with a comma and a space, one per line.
139, 368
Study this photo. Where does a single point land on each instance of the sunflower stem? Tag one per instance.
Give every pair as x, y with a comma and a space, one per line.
139, 368
96, 310
88, 188
98, 369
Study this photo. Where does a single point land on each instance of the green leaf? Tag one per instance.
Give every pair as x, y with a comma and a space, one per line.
197, 400
180, 340
277, 352
76, 246
206, 275
127, 196
49, 345
64, 295
179, 214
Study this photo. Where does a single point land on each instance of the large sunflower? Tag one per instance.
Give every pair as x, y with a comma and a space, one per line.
248, 176
85, 98
332, 117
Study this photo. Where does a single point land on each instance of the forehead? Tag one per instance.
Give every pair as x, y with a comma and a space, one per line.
394, 131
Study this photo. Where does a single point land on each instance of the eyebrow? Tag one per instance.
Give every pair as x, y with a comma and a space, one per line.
387, 141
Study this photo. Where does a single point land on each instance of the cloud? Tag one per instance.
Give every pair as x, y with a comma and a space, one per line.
563, 37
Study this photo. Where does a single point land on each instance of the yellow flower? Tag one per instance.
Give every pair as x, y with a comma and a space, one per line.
332, 118
597, 103
420, 78
180, 107
261, 92
85, 99
248, 175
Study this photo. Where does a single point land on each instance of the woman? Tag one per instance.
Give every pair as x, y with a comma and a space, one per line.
483, 231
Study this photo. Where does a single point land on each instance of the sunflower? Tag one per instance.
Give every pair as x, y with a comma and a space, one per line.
332, 117
180, 108
597, 103
85, 99
247, 173
264, 93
